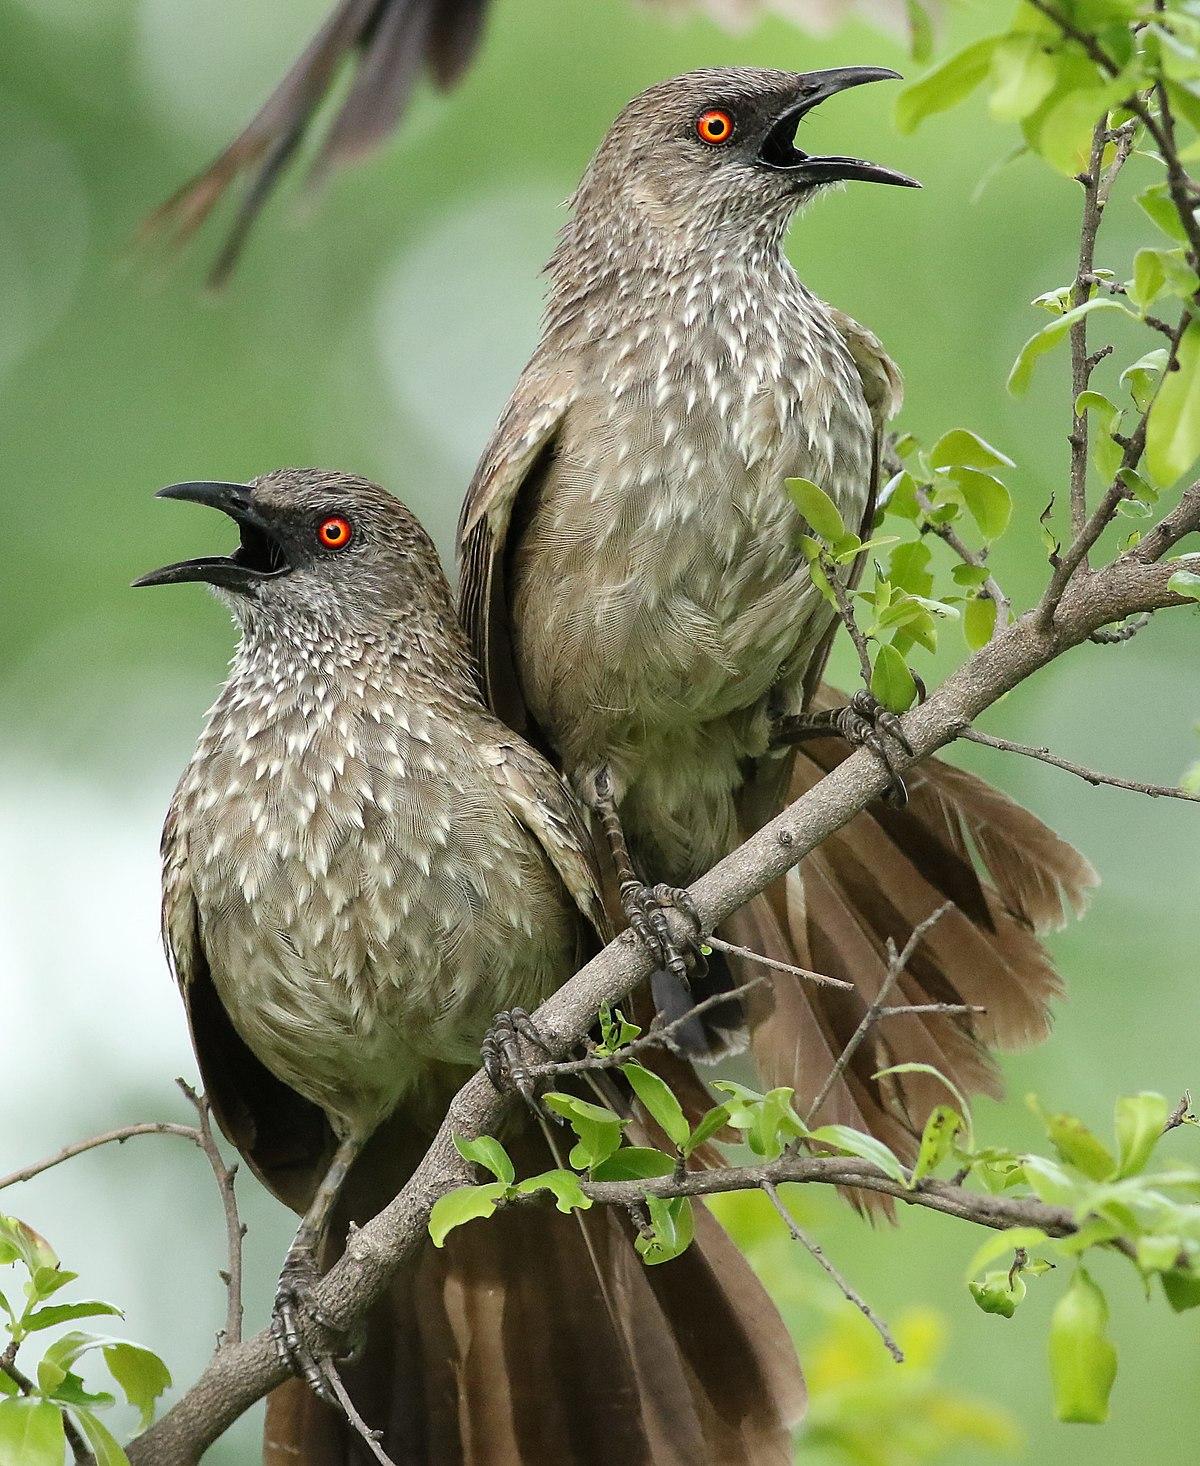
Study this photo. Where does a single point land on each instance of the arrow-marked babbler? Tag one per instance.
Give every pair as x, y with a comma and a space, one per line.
633, 590
361, 866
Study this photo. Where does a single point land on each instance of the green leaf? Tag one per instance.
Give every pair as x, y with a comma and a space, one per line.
961, 448
817, 508
1181, 1289
1023, 75
141, 1374
988, 500
999, 1292
1078, 1147
1185, 583
908, 568
615, 1030
48, 1280
1049, 1181
672, 1228
488, 1153
1001, 1243
1048, 337
1157, 1254
1156, 201
979, 621
70, 1391
706, 1127
963, 1107
104, 1445
866, 1147
946, 85
55, 1313
1139, 1121
8, 1385
1173, 433
1083, 1364
768, 1120
655, 1094
568, 1193
633, 1163
461, 1205
31, 1432
1142, 377
891, 681
19, 1240
937, 1141
598, 1129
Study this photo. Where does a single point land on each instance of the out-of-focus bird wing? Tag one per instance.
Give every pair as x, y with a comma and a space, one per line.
520, 443
393, 41
540, 799
284, 1138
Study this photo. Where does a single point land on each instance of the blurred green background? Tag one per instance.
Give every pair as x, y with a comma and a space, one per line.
379, 328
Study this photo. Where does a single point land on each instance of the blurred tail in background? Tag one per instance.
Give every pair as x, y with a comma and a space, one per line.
392, 44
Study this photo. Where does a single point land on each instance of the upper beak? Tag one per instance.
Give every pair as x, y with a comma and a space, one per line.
258, 556
778, 149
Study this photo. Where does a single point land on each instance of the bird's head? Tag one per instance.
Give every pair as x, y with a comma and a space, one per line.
313, 543
713, 152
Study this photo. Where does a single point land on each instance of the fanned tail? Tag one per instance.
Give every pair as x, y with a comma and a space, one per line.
393, 40
1009, 878
537, 1339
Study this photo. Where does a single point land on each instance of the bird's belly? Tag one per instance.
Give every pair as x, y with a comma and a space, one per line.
352, 957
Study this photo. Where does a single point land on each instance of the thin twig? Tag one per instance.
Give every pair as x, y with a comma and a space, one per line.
1181, 1114
652, 1038
846, 612
234, 1230
976, 559
1115, 636
1092, 776
371, 1437
903, 1008
799, 1235
80, 1147
819, 978
897, 962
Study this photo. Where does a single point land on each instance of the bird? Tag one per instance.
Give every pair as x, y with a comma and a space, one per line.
361, 866
634, 594
390, 44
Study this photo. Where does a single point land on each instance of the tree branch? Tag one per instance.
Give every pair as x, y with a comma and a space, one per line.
242, 1373
1152, 791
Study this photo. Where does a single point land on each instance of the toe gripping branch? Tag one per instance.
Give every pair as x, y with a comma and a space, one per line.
864, 722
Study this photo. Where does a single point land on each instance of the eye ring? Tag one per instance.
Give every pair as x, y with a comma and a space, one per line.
335, 533
714, 127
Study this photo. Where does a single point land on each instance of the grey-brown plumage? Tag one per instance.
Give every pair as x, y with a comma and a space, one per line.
362, 866
631, 582
392, 42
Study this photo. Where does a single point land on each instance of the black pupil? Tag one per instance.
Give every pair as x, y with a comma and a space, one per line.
333, 531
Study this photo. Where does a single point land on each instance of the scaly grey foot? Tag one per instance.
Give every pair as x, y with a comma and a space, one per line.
864, 722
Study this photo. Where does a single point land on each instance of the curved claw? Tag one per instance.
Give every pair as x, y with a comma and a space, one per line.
504, 1062
645, 909
294, 1300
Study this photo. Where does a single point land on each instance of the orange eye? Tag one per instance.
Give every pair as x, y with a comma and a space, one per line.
335, 533
714, 127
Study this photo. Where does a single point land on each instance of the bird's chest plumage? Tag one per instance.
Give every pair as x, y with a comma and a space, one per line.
663, 522
366, 902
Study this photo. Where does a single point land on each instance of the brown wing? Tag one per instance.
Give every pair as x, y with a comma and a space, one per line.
519, 445
284, 1138
883, 387
542, 802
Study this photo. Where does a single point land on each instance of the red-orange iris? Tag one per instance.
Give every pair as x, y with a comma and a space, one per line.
335, 533
714, 127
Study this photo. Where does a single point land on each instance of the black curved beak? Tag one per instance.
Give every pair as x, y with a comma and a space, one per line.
258, 557
779, 151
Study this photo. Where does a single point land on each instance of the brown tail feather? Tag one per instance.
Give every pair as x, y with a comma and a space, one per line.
523, 1343
1009, 878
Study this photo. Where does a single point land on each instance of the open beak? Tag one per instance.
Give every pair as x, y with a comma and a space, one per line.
258, 557
779, 150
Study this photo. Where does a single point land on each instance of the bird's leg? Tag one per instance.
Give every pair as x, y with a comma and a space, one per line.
865, 723
643, 905
503, 1052
298, 1279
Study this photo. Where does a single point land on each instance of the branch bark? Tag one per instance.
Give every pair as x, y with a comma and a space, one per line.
241, 1374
